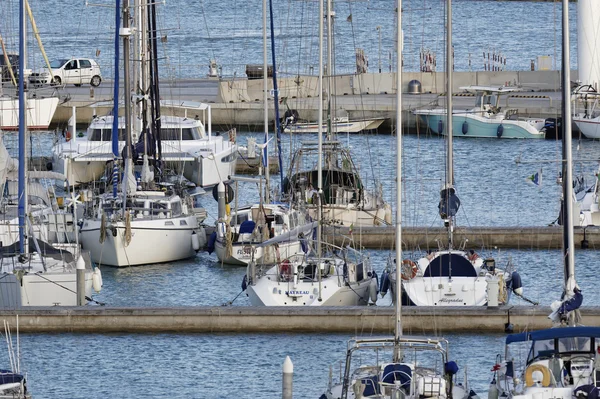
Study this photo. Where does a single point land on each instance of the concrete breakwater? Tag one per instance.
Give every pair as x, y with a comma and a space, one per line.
218, 319
238, 102
543, 237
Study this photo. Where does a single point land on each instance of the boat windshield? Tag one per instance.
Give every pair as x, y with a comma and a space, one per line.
558, 347
486, 99
58, 63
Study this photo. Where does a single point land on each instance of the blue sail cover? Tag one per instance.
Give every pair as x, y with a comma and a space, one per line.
8, 377
552, 333
449, 203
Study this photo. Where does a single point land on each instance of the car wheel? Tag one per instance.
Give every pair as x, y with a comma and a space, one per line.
57, 80
96, 81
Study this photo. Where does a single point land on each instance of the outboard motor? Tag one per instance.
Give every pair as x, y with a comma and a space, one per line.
553, 128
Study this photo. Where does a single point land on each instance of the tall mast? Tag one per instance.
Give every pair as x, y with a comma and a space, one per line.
276, 96
126, 32
450, 149
330, 132
320, 159
398, 329
568, 240
115, 128
265, 153
22, 130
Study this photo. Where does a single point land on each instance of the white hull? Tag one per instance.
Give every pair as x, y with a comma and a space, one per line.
152, 241
589, 127
350, 215
43, 289
40, 112
241, 253
441, 291
356, 126
335, 290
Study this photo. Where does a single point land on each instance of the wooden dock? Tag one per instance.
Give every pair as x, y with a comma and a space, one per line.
248, 320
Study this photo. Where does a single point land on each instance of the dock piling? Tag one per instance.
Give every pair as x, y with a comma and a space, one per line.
288, 378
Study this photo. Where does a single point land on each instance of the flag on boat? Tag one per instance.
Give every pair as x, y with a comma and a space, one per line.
535, 178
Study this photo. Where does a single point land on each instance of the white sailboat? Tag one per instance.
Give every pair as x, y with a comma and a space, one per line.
587, 115
562, 362
398, 366
34, 273
322, 276
449, 276
152, 225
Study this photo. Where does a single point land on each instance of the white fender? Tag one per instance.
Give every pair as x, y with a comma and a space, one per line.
97, 280
195, 241
373, 290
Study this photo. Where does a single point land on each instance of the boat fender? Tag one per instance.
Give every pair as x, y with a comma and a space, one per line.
450, 368
408, 269
493, 390
500, 131
376, 277
373, 290
211, 242
440, 126
516, 284
465, 127
195, 241
384, 285
537, 369
285, 270
245, 282
97, 280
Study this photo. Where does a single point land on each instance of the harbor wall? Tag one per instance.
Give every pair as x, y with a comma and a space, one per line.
358, 321
239, 102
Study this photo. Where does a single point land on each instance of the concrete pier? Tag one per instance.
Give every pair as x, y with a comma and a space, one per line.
347, 320
543, 237
238, 102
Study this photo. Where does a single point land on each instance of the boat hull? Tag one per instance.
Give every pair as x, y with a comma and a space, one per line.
152, 241
589, 127
43, 289
481, 127
40, 112
241, 253
356, 126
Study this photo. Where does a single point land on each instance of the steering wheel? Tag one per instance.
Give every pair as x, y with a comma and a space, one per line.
403, 385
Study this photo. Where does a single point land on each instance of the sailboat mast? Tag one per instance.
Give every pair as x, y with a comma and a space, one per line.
330, 132
320, 148
127, 99
22, 129
115, 127
265, 153
398, 327
449, 188
276, 97
568, 240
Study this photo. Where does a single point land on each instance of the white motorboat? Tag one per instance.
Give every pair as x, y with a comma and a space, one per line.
236, 240
486, 118
346, 200
40, 111
586, 114
338, 124
188, 147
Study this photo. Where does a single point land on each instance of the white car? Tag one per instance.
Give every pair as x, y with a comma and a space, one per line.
75, 71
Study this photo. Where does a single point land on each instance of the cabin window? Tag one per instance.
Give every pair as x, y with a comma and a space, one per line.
279, 219
228, 158
105, 135
182, 223
241, 218
176, 134
176, 208
169, 223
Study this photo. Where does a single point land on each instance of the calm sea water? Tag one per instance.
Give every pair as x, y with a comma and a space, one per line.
491, 184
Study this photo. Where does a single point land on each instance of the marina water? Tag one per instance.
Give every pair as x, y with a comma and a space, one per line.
493, 189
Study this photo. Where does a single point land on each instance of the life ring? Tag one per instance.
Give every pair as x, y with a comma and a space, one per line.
546, 375
408, 269
285, 270
473, 256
